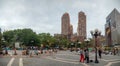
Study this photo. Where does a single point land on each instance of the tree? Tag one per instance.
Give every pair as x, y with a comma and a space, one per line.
46, 39
24, 36
8, 37
91, 42
62, 41
28, 37
0, 41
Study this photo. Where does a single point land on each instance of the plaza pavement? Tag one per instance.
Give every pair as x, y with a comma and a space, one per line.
73, 57
62, 58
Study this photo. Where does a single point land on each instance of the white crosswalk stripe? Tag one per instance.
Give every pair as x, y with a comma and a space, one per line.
21, 62
10, 62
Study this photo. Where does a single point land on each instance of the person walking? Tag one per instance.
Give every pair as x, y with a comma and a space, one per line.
100, 53
117, 51
81, 56
87, 55
114, 51
30, 52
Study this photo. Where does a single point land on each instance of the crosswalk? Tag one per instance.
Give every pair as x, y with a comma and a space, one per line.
12, 60
21, 62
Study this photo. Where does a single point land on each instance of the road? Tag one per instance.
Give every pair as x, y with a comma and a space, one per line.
62, 58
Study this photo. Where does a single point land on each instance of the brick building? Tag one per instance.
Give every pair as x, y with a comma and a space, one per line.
81, 29
66, 27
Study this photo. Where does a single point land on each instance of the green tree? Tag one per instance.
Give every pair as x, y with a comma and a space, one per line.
46, 39
25, 36
0, 40
28, 37
91, 42
62, 41
8, 37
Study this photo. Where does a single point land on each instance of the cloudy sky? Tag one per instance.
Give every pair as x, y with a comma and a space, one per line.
45, 15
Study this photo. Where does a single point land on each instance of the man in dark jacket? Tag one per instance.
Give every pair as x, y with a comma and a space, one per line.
87, 55
100, 53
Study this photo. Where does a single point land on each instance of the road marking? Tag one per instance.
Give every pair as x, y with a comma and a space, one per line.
21, 62
110, 63
111, 60
67, 61
67, 54
61, 60
72, 60
104, 60
10, 62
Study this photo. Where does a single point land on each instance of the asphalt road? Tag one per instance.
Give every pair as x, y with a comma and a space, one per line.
4, 61
62, 58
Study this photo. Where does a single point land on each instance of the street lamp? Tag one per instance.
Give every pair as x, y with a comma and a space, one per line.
96, 33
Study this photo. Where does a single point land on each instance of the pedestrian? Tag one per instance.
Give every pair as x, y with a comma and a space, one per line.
81, 56
30, 52
87, 55
100, 53
117, 51
36, 52
27, 51
114, 51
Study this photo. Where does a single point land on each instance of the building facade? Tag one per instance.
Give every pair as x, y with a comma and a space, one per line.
71, 29
81, 29
112, 28
66, 28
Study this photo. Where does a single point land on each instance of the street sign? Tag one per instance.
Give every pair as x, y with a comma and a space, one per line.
17, 45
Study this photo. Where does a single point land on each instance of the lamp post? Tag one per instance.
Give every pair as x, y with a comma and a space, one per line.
96, 33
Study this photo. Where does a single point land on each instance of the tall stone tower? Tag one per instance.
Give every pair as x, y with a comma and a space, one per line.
81, 30
66, 27
65, 24
71, 29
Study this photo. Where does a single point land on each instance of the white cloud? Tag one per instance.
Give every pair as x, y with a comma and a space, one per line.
45, 15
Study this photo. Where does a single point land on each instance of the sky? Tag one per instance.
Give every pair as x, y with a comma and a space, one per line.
44, 16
